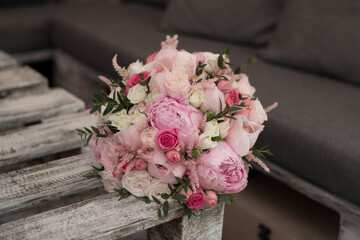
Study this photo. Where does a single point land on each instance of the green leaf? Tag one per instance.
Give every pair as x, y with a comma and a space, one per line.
217, 138
179, 180
227, 51
166, 208
227, 198
90, 174
95, 130
179, 197
238, 70
88, 139
144, 199
251, 60
108, 109
88, 130
165, 196
189, 214
159, 212
98, 169
171, 189
209, 115
80, 131
186, 188
196, 153
156, 200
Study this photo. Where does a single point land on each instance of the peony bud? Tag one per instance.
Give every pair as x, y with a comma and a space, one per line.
140, 164
173, 156
211, 198
187, 195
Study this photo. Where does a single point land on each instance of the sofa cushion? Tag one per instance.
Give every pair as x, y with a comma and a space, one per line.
314, 132
25, 28
323, 36
129, 30
239, 21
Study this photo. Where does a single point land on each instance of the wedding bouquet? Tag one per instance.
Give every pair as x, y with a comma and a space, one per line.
180, 128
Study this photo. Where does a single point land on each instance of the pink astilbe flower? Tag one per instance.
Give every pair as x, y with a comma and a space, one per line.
122, 71
170, 41
271, 107
106, 81
251, 157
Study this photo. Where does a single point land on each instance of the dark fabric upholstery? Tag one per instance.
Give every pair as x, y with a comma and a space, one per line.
321, 36
131, 31
239, 21
315, 131
25, 28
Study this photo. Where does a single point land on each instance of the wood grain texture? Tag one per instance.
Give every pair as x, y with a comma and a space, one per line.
103, 217
29, 186
207, 225
6, 61
53, 136
349, 227
32, 108
19, 81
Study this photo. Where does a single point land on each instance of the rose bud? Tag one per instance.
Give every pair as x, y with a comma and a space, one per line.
187, 195
197, 200
118, 172
221, 84
140, 164
211, 198
173, 156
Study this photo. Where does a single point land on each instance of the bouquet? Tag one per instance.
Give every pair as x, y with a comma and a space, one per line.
180, 128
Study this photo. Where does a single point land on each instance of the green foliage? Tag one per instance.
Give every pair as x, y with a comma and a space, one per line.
227, 198
260, 153
196, 153
123, 193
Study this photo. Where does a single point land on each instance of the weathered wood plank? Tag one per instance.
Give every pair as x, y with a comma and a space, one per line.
53, 136
103, 217
207, 225
6, 61
18, 81
26, 187
349, 213
32, 108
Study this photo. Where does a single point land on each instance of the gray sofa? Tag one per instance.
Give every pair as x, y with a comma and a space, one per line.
314, 133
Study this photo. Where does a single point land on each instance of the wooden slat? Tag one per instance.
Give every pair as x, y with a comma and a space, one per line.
103, 217
33, 108
29, 186
6, 61
18, 81
53, 136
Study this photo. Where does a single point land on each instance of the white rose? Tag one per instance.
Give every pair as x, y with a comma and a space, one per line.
243, 85
151, 96
212, 128
207, 142
211, 61
225, 127
110, 183
135, 67
196, 98
185, 62
257, 113
121, 120
148, 137
137, 182
157, 188
137, 94
138, 118
177, 84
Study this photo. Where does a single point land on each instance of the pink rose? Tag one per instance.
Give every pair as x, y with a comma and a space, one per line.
243, 85
147, 137
223, 170
221, 84
130, 136
151, 57
187, 195
168, 113
173, 156
167, 139
213, 96
243, 135
140, 164
164, 170
135, 78
211, 198
197, 200
177, 84
157, 82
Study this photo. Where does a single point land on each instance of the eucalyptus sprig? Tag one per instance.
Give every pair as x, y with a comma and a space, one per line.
144, 82
239, 69
88, 133
260, 153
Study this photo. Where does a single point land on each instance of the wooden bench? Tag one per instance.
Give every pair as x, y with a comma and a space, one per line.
44, 193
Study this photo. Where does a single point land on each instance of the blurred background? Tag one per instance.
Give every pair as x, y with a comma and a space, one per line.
308, 60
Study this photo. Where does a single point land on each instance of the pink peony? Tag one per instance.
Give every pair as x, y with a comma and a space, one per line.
130, 136
164, 170
197, 200
243, 135
173, 156
213, 96
95, 144
223, 170
151, 57
140, 164
187, 195
211, 198
168, 113
167, 139
199, 57
135, 78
